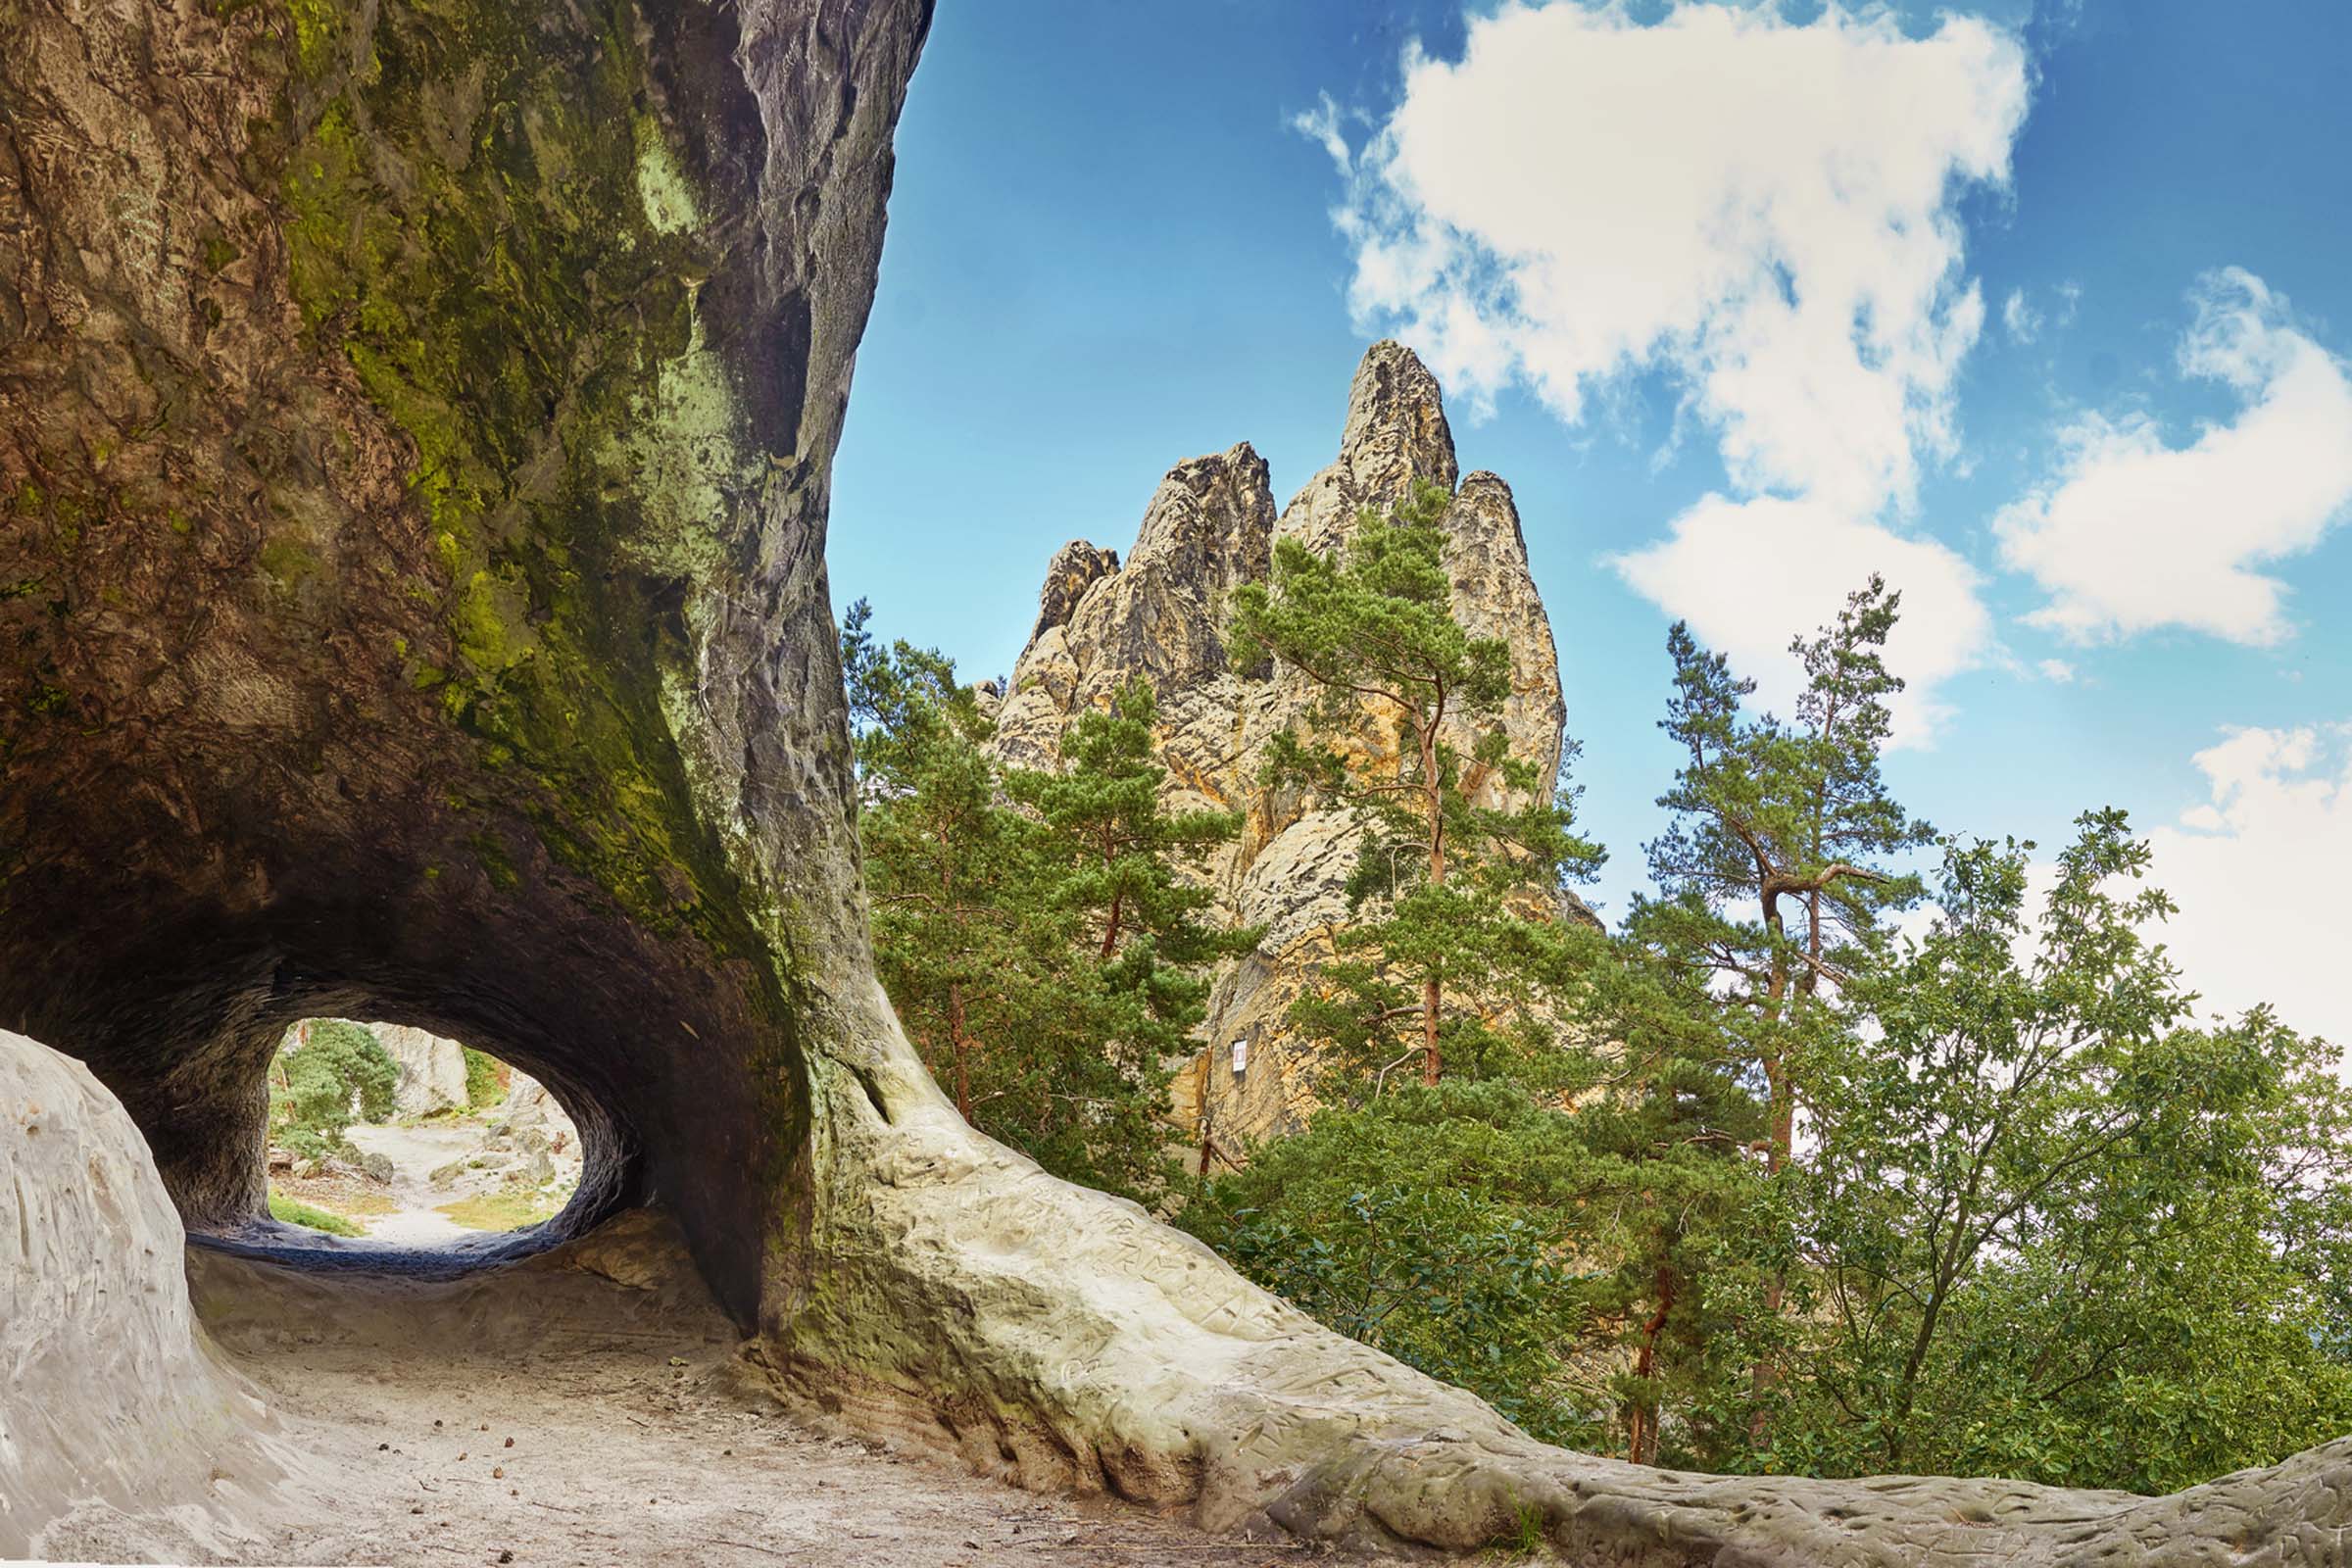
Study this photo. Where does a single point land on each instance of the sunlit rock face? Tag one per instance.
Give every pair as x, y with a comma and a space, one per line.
111, 1398
432, 1069
1210, 527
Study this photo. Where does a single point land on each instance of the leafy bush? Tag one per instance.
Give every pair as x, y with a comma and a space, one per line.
1422, 1225
486, 1079
333, 1073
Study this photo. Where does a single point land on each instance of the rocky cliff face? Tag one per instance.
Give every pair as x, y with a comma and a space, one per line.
1209, 527
432, 1069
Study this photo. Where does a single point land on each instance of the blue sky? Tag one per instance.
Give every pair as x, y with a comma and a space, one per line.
1120, 237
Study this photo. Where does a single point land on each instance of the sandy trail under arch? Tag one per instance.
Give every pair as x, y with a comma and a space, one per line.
638, 1436
416, 1151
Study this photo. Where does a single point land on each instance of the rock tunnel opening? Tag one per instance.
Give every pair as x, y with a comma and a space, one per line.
395, 1146
395, 1136
175, 977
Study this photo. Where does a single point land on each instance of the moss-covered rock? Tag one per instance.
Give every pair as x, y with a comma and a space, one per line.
415, 534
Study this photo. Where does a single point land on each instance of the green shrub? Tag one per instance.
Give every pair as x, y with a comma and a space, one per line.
486, 1079
1423, 1225
334, 1073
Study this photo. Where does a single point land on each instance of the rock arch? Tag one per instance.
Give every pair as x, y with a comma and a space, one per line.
415, 425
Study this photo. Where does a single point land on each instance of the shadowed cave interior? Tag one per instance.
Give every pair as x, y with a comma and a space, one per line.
186, 1042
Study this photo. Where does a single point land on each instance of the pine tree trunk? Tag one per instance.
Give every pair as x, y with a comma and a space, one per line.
958, 1048
1432, 993
1780, 1138
1642, 1442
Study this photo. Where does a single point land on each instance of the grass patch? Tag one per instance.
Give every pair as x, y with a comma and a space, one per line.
498, 1211
1523, 1539
293, 1212
447, 1116
337, 1198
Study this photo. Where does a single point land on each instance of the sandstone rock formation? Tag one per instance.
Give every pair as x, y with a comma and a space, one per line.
432, 1069
531, 1148
109, 1395
414, 427
1209, 528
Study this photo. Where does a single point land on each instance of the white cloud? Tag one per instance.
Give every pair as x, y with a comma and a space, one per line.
1764, 211
2134, 534
1725, 557
2057, 672
2022, 322
2258, 871
2025, 323
1764, 208
2070, 302
1321, 125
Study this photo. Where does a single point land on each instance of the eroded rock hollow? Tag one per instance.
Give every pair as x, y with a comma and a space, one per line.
415, 428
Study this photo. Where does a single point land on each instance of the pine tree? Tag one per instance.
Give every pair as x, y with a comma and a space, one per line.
1117, 848
1776, 868
944, 864
1033, 928
1397, 676
1109, 857
1668, 1200
1779, 864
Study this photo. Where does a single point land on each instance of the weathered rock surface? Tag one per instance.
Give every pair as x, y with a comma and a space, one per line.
1209, 528
109, 1395
415, 428
532, 1146
432, 1069
1061, 1338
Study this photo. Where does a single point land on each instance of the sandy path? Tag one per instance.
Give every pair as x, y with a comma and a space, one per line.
416, 1152
637, 1436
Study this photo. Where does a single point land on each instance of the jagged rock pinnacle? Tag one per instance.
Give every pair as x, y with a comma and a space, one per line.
1209, 528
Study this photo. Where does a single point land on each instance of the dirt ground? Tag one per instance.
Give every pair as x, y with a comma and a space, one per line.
416, 1151
585, 1408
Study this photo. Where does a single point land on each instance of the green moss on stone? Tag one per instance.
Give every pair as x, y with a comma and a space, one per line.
289, 563
492, 226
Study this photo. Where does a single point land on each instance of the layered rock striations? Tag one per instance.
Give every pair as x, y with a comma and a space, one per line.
1211, 527
110, 1397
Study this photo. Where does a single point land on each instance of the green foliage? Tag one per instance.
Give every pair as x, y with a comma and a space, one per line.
293, 1212
1780, 860
485, 1079
1460, 948
329, 1073
1428, 1223
1032, 928
2061, 1229
1774, 872
1757, 1183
